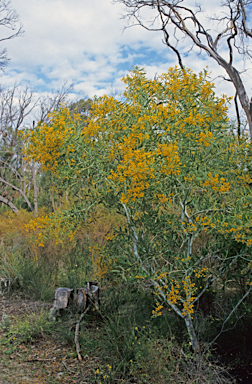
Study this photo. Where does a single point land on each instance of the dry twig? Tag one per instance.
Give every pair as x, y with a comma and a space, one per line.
76, 338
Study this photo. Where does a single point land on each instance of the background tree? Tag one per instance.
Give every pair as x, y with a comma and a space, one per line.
52, 102
81, 107
177, 17
21, 111
15, 107
9, 19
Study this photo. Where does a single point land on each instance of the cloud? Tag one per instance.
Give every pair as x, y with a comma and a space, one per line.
85, 43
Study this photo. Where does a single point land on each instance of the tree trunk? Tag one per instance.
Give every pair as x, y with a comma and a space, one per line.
35, 190
191, 333
53, 204
187, 318
240, 89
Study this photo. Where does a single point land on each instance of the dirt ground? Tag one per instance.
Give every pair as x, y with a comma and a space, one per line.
44, 360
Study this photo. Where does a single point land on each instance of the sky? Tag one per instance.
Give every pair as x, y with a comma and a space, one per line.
85, 43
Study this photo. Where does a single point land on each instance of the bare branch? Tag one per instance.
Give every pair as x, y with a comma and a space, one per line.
15, 106
19, 190
172, 14
12, 169
52, 103
9, 19
244, 18
9, 203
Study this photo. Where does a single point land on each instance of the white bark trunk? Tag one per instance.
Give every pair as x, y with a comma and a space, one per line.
35, 189
188, 319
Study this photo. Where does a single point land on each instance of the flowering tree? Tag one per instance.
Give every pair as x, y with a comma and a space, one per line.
180, 177
166, 158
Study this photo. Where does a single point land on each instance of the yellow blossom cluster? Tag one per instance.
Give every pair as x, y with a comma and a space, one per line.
157, 311
47, 143
218, 184
188, 289
205, 138
138, 166
201, 273
173, 294
53, 224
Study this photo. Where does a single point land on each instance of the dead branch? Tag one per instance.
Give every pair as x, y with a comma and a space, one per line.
9, 203
19, 190
76, 338
174, 15
9, 19
69, 370
15, 106
51, 103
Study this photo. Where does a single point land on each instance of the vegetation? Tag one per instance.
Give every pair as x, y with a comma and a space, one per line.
150, 196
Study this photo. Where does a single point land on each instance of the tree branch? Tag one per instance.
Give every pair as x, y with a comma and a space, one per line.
19, 190
9, 203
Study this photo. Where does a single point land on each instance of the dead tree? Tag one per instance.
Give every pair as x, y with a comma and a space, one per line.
175, 19
64, 297
9, 19
15, 107
52, 102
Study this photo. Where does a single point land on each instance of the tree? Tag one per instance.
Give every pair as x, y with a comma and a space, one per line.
53, 102
48, 105
168, 161
81, 107
52, 145
15, 106
16, 111
9, 19
175, 17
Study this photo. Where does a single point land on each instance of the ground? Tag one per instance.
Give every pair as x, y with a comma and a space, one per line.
36, 350
42, 360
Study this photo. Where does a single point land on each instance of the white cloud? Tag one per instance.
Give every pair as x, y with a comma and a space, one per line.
82, 41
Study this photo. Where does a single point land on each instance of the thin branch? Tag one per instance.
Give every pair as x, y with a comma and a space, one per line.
227, 318
19, 190
76, 337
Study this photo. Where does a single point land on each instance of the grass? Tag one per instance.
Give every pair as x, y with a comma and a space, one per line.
120, 344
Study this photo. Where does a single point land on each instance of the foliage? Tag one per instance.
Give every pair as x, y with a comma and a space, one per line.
46, 142
172, 166
35, 270
131, 345
167, 160
39, 254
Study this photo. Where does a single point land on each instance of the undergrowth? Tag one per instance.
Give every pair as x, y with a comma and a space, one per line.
126, 344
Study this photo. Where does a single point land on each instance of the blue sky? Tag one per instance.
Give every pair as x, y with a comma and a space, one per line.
84, 42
